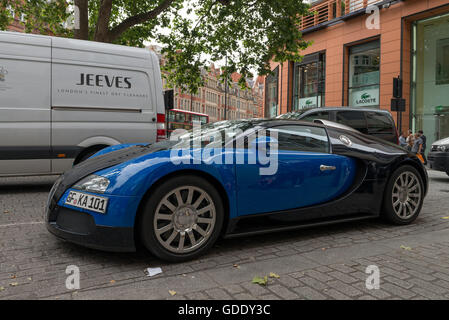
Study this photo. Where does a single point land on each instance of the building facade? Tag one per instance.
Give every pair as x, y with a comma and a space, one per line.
359, 46
17, 21
218, 100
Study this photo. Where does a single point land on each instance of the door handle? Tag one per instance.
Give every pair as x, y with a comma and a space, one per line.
327, 168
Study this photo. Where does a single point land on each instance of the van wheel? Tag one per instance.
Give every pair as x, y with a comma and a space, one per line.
87, 153
404, 196
181, 219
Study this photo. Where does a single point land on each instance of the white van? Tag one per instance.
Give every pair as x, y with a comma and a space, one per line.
61, 100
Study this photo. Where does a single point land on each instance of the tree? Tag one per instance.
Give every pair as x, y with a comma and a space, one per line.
247, 33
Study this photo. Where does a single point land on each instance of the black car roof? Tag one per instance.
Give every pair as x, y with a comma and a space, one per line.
304, 111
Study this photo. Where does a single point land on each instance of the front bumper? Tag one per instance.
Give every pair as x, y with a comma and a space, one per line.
80, 228
438, 161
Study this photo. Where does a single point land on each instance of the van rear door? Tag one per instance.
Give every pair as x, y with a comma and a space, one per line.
25, 69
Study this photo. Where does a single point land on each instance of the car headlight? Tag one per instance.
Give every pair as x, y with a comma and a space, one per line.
93, 183
443, 148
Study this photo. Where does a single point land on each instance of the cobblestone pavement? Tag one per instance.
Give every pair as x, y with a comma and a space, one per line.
319, 263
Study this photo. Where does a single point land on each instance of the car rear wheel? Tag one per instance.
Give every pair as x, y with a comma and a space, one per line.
182, 219
404, 196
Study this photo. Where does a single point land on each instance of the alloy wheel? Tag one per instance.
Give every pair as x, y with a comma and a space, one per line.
184, 219
406, 196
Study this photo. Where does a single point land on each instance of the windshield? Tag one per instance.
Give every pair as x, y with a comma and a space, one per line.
212, 135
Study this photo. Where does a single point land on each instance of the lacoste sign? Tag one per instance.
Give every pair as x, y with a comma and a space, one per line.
310, 102
365, 98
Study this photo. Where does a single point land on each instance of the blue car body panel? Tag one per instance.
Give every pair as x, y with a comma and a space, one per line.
298, 182
132, 179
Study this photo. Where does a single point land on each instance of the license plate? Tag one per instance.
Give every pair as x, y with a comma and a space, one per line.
87, 201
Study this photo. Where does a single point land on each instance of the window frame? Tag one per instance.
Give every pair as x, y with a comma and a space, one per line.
329, 145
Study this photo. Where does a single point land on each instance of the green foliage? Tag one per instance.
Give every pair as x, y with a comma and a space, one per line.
5, 18
41, 16
245, 34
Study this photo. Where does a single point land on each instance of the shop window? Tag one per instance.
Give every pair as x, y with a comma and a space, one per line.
309, 82
430, 77
271, 96
442, 65
364, 75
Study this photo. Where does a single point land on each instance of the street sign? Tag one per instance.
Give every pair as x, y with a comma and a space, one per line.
398, 105
169, 99
397, 87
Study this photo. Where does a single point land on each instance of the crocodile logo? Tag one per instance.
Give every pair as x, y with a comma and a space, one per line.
309, 102
366, 96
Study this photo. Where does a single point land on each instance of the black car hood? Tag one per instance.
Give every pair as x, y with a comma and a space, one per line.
101, 162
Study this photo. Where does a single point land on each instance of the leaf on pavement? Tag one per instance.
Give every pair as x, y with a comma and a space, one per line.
2, 288
406, 248
262, 281
274, 275
5, 211
236, 266
172, 292
14, 284
112, 281
445, 218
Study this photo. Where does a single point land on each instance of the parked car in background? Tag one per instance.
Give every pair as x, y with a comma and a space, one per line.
438, 157
374, 122
63, 100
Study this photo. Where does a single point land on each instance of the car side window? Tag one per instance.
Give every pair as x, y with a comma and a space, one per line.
379, 123
316, 115
353, 119
301, 138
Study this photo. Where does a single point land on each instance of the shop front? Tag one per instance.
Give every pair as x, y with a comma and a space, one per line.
351, 64
430, 77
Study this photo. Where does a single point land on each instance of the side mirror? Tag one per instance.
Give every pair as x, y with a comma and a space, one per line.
262, 143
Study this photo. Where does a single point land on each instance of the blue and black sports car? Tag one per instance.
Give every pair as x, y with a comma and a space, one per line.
234, 178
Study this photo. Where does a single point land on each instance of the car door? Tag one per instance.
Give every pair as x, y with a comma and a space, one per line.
307, 172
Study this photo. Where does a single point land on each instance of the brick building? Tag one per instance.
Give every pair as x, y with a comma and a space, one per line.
218, 102
352, 62
17, 23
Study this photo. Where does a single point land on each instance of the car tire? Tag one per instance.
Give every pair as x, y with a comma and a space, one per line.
404, 196
180, 230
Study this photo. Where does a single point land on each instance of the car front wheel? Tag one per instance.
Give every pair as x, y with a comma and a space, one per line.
182, 219
404, 196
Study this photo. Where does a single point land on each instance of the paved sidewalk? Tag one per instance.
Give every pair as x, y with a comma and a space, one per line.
319, 263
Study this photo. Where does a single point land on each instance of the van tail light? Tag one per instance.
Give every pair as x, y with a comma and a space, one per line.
160, 127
